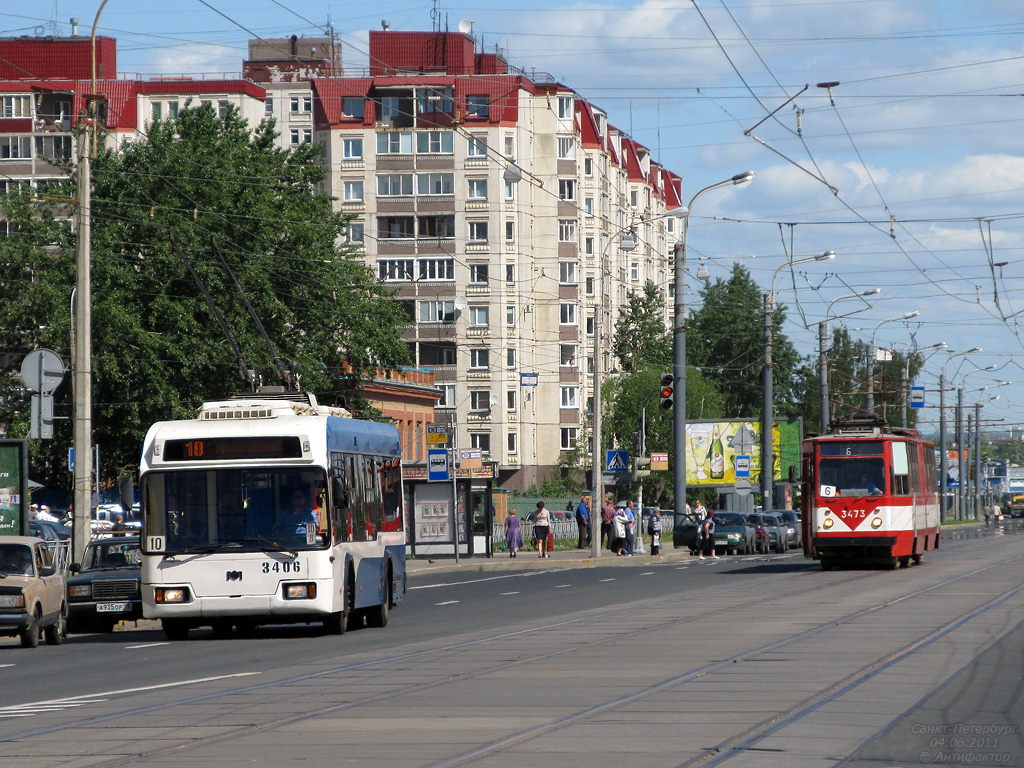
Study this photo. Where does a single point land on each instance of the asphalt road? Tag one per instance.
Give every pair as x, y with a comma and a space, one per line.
760, 661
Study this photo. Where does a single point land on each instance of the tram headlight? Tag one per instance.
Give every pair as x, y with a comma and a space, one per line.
876, 522
829, 522
172, 595
303, 591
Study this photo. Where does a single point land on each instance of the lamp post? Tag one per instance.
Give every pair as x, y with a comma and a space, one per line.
679, 348
768, 384
627, 243
943, 457
961, 443
823, 416
871, 356
978, 485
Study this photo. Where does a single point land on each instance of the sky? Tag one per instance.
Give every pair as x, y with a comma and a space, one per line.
910, 167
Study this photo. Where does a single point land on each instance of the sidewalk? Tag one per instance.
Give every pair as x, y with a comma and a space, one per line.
529, 559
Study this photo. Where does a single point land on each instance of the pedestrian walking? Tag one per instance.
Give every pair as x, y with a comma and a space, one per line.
541, 528
583, 522
631, 527
513, 534
699, 511
655, 528
607, 515
619, 521
707, 535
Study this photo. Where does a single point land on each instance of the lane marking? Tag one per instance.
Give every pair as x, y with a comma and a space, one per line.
506, 594
649, 573
604, 580
447, 602
563, 586
145, 645
480, 581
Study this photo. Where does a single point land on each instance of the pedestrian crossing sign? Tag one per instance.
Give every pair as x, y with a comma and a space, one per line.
617, 461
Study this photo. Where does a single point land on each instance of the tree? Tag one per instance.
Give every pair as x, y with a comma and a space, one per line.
193, 187
641, 338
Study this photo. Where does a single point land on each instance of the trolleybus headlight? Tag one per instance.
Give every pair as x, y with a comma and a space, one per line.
172, 595
876, 522
829, 522
303, 591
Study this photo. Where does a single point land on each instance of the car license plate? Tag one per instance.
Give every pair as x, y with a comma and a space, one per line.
721, 542
111, 607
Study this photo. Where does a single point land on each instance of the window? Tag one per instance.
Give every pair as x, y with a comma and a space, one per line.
435, 142
437, 311
567, 189
478, 189
567, 230
480, 400
396, 227
634, 271
477, 147
566, 148
352, 149
479, 316
510, 358
394, 269
268, 107
633, 198
510, 316
565, 107
510, 273
510, 190
157, 110
588, 246
391, 184
588, 166
670, 225
222, 109
478, 273
567, 272
477, 105
447, 396
353, 191
52, 147
590, 325
479, 358
17, 106
569, 396
434, 100
172, 110
394, 143
510, 231
480, 440
588, 206
15, 147
510, 401
356, 232
301, 136
353, 106
301, 105
437, 226
570, 436
435, 183
389, 107
445, 355
478, 231
437, 269
567, 355
567, 313
590, 286
510, 147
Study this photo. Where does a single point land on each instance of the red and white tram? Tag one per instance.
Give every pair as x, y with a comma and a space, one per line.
869, 496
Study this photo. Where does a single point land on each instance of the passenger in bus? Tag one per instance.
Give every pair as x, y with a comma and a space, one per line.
293, 520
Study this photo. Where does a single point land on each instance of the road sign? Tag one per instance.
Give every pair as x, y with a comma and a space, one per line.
743, 488
659, 460
529, 379
742, 466
617, 461
41, 424
917, 397
437, 465
470, 458
42, 371
437, 434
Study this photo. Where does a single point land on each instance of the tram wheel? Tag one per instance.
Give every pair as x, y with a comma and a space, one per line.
916, 558
905, 561
826, 565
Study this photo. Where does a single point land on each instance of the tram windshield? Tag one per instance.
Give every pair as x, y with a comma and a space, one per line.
207, 510
851, 476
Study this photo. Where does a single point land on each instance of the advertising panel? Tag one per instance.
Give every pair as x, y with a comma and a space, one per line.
714, 448
13, 487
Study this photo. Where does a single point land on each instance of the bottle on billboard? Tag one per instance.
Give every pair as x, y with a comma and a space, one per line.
717, 457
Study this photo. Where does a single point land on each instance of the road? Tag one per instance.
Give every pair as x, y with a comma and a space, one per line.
745, 662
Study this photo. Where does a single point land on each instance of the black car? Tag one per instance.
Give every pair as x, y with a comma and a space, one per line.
107, 586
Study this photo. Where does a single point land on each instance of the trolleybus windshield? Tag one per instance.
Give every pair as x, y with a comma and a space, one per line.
207, 510
853, 468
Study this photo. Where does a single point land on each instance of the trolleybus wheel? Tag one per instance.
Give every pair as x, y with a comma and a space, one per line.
246, 628
377, 616
222, 628
175, 629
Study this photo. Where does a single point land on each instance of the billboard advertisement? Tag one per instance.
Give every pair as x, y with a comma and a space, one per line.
712, 448
13, 487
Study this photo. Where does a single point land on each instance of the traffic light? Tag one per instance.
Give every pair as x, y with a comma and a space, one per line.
641, 467
668, 382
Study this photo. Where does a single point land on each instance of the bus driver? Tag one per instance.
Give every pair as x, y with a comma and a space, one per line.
293, 521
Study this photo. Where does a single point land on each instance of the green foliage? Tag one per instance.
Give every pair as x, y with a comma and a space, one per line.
641, 338
202, 184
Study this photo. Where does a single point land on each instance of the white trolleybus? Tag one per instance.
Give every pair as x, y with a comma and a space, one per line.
869, 496
271, 511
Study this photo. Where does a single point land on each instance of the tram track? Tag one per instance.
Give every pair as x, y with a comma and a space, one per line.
719, 754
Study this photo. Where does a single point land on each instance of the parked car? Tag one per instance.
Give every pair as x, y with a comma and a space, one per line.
32, 592
684, 532
733, 533
61, 531
761, 543
778, 531
793, 519
106, 587
40, 531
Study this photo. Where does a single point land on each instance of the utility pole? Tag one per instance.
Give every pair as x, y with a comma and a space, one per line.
83, 359
767, 409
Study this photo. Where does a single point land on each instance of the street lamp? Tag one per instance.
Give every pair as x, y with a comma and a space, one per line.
961, 442
871, 356
768, 383
628, 242
823, 416
979, 485
679, 347
943, 458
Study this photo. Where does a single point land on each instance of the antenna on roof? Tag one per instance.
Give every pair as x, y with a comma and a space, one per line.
466, 27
